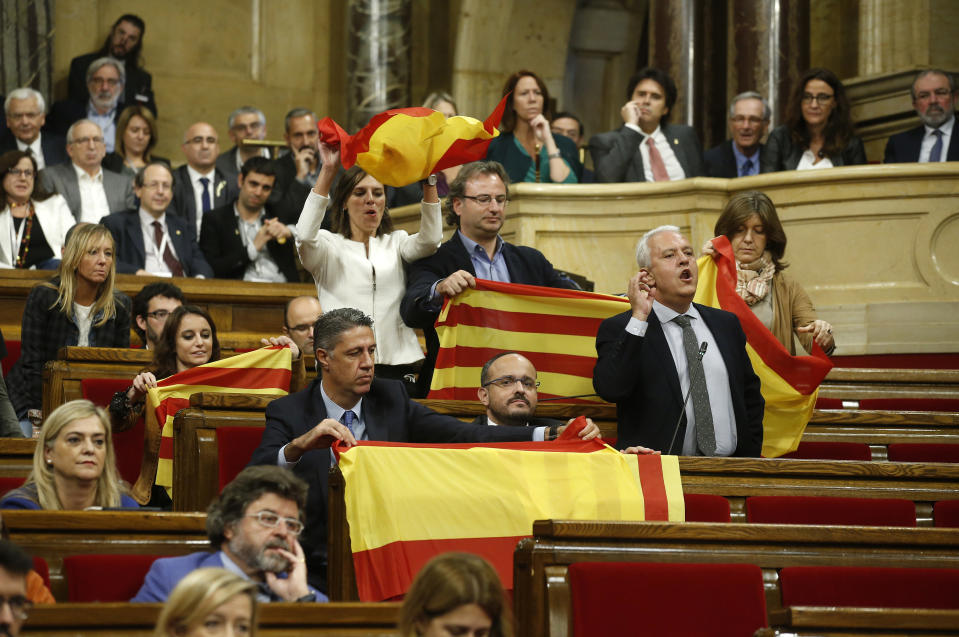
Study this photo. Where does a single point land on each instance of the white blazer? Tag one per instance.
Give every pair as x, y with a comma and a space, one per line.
55, 219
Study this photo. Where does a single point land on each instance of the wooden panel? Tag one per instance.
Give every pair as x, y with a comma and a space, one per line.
16, 457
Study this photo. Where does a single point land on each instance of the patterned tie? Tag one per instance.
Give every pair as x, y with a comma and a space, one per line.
347, 419
205, 197
747, 167
936, 151
705, 434
656, 162
171, 261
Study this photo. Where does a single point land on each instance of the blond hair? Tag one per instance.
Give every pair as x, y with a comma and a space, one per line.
81, 239
200, 593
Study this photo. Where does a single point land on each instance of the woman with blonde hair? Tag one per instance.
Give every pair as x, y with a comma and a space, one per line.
456, 594
80, 306
74, 466
207, 602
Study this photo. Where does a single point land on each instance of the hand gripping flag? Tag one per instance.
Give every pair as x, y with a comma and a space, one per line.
403, 145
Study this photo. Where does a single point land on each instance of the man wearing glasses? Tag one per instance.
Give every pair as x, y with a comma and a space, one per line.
106, 78
298, 318
476, 205
25, 109
200, 185
934, 140
739, 156
151, 307
244, 123
253, 524
14, 605
508, 390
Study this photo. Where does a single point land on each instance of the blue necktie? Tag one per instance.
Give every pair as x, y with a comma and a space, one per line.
205, 197
347, 419
747, 166
936, 151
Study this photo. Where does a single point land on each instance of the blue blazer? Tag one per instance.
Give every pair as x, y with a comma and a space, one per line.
131, 253
904, 147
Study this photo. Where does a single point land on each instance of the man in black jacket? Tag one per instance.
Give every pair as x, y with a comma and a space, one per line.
934, 98
739, 156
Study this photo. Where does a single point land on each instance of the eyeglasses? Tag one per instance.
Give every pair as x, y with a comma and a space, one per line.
199, 140
19, 605
109, 81
742, 119
18, 116
939, 93
159, 314
83, 141
302, 328
485, 200
505, 382
22, 172
158, 185
255, 126
271, 520
819, 98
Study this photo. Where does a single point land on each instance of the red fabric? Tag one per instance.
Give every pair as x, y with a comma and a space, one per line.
828, 403
910, 404
831, 451
234, 448
775, 509
13, 353
870, 586
701, 507
9, 483
105, 578
650, 598
899, 361
923, 452
127, 445
946, 514
42, 569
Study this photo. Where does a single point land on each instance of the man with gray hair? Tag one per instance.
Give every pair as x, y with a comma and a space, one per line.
244, 123
26, 112
105, 81
296, 171
739, 157
934, 140
677, 371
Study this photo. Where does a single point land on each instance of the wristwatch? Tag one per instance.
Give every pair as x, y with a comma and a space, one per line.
431, 180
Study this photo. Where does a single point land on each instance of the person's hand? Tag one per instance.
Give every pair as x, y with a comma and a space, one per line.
304, 158
322, 436
540, 126
329, 155
283, 341
640, 295
277, 229
708, 249
141, 383
293, 586
262, 236
590, 431
641, 451
455, 283
630, 113
142, 272
821, 333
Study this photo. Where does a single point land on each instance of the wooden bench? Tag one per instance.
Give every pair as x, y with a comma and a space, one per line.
275, 620
880, 428
16, 457
541, 589
850, 383
847, 621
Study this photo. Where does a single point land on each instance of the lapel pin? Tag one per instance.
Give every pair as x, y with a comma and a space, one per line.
219, 188
675, 142
178, 233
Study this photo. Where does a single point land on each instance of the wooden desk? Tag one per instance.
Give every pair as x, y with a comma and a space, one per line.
859, 383
814, 620
16, 457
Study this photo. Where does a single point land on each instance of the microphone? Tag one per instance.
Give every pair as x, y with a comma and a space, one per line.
699, 357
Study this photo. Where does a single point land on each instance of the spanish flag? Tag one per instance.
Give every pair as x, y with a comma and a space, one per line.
265, 371
403, 145
408, 503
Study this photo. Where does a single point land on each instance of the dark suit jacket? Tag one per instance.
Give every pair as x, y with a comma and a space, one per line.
525, 265
131, 253
904, 147
288, 196
223, 248
781, 154
617, 158
721, 162
638, 374
532, 422
62, 179
184, 201
389, 415
53, 146
138, 88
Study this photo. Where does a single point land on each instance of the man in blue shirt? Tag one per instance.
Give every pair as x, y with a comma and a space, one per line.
739, 157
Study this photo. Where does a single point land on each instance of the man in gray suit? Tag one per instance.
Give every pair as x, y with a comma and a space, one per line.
91, 192
646, 147
244, 123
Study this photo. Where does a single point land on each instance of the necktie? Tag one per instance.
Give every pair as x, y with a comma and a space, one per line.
347, 419
171, 262
936, 151
747, 166
205, 197
656, 162
705, 434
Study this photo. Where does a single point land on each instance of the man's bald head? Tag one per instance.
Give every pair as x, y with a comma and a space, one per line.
298, 319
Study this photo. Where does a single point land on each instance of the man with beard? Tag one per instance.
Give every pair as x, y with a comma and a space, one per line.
934, 98
508, 390
151, 307
124, 43
14, 567
253, 524
106, 78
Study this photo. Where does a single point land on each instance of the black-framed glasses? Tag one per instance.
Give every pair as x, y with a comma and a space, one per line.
271, 520
505, 382
159, 314
19, 605
486, 200
819, 98
22, 172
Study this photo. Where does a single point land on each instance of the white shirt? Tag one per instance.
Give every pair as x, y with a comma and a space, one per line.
154, 263
198, 193
807, 159
93, 199
35, 149
262, 267
673, 168
717, 378
929, 140
84, 321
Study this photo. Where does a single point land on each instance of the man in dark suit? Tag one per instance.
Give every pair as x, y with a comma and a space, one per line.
200, 186
241, 240
105, 81
934, 98
508, 390
244, 123
297, 170
647, 147
149, 241
348, 404
648, 365
739, 157
25, 109
477, 206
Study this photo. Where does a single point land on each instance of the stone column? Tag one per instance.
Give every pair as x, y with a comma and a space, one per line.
26, 54
378, 58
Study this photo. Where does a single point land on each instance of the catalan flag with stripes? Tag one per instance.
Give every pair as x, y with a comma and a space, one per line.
403, 145
265, 371
408, 503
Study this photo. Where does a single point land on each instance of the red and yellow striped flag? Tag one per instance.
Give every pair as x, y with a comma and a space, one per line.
408, 503
403, 145
265, 371
790, 384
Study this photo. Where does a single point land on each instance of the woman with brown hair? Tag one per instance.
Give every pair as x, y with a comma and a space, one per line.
136, 139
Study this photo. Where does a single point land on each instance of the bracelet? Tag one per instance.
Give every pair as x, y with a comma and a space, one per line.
555, 155
552, 432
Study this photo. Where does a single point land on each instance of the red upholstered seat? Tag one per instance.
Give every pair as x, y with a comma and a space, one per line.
831, 451
923, 452
105, 578
946, 514
9, 483
774, 509
701, 507
42, 569
234, 448
13, 353
127, 445
828, 403
910, 404
650, 598
870, 586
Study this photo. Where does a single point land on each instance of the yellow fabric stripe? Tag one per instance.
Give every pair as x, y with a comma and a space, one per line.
552, 383
263, 357
471, 336
548, 306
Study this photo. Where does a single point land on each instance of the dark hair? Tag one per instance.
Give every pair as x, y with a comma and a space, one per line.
164, 357
9, 161
248, 486
838, 129
133, 57
508, 123
140, 176
328, 328
467, 172
128, 113
484, 374
259, 165
14, 559
921, 74
660, 77
141, 302
568, 115
293, 114
340, 218
744, 205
